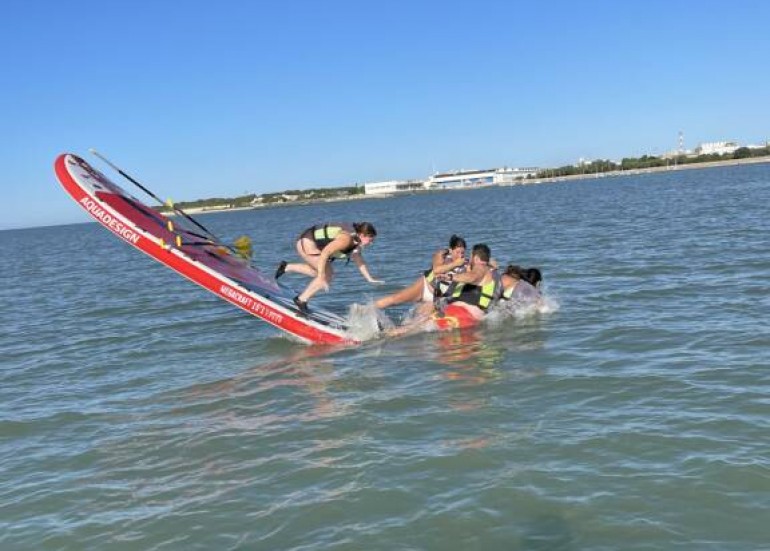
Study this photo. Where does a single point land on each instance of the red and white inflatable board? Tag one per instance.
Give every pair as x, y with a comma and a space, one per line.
205, 262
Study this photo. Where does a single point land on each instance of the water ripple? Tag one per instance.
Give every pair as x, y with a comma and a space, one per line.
139, 412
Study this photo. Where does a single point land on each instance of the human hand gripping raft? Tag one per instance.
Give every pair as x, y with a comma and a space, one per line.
319, 246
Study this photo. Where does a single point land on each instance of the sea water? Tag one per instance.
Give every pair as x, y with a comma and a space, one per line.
138, 411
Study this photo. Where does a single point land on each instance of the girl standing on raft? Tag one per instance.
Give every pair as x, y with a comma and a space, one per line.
319, 246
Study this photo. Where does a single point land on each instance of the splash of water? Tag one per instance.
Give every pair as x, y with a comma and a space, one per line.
506, 310
366, 322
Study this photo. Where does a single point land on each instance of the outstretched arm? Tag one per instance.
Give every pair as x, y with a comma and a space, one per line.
363, 268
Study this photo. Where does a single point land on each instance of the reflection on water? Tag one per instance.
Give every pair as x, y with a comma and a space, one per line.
308, 370
477, 354
468, 356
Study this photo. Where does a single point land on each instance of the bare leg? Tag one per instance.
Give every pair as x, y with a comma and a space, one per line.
303, 269
419, 323
316, 285
413, 293
310, 267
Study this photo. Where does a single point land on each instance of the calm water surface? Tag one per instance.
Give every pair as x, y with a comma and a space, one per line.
137, 411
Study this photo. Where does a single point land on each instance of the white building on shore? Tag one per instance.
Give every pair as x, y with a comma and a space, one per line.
477, 178
393, 186
456, 179
461, 179
716, 148
509, 176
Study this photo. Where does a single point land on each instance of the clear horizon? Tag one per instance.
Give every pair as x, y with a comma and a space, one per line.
258, 98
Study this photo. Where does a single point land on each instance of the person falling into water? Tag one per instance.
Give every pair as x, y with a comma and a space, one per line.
475, 290
521, 286
319, 246
428, 288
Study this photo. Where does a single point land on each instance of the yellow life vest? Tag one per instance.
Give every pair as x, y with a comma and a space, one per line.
323, 235
508, 293
478, 295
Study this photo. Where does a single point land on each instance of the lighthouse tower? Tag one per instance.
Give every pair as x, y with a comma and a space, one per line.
680, 149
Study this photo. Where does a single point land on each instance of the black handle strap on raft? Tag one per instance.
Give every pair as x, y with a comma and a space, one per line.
158, 199
150, 193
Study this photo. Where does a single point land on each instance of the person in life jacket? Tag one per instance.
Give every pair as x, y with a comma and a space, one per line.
520, 286
319, 246
427, 288
475, 291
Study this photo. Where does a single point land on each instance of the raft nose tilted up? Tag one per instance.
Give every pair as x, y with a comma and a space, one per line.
187, 247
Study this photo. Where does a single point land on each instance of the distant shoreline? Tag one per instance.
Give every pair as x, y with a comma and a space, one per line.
588, 176
214, 209
635, 171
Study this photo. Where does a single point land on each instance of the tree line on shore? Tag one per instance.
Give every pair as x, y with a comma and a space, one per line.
252, 199
648, 161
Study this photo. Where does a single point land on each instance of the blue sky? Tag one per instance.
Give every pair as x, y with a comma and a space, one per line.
200, 99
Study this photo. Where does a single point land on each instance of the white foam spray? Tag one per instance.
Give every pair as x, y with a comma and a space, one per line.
367, 322
522, 311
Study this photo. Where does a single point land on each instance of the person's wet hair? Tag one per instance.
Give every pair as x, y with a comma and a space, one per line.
514, 271
365, 228
533, 276
457, 241
482, 251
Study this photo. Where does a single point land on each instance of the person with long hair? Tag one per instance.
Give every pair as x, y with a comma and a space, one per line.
474, 291
520, 286
319, 246
429, 286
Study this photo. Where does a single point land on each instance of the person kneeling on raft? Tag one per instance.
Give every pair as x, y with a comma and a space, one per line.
319, 246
